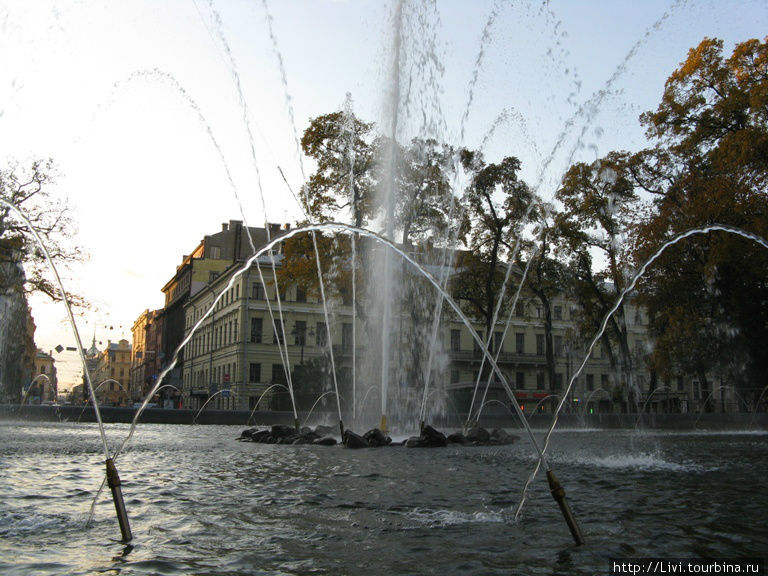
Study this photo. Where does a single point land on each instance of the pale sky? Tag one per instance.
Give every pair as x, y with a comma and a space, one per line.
138, 105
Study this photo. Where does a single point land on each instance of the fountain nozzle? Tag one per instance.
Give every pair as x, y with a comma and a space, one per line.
383, 426
113, 480
558, 493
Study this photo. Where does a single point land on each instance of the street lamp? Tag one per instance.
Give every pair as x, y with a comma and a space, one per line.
300, 333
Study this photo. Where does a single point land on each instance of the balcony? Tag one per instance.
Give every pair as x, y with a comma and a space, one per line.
471, 356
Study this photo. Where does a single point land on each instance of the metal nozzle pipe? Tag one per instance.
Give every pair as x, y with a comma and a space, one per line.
113, 481
558, 493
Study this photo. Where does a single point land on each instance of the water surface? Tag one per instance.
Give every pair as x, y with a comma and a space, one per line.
202, 503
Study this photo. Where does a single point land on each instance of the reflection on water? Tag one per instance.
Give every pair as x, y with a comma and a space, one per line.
202, 503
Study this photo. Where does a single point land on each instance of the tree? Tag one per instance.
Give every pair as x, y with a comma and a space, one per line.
423, 206
547, 276
709, 165
496, 202
344, 149
26, 188
600, 208
23, 268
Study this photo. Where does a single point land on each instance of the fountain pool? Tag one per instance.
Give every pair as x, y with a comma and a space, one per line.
201, 503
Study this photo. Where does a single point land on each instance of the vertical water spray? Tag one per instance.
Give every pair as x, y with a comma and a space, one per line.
450, 242
305, 209
282, 346
389, 201
348, 129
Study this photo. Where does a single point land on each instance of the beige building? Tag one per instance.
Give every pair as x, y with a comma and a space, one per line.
244, 344
236, 354
44, 385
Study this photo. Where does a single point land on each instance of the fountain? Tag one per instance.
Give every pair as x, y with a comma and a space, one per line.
28, 388
299, 478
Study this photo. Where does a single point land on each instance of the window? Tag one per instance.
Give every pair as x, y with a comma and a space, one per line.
301, 294
477, 347
212, 276
321, 334
214, 252
520, 343
604, 381
680, 383
519, 310
254, 372
256, 329
279, 335
237, 292
278, 374
454, 376
590, 382
346, 336
558, 312
455, 340
497, 341
539, 380
300, 333
257, 291
540, 344
558, 346
558, 381
520, 380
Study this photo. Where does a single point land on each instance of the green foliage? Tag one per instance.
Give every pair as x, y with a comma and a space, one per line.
495, 202
344, 149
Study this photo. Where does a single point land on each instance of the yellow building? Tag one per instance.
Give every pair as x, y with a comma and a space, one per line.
111, 374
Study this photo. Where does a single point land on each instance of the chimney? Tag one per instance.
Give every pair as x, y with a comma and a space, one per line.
287, 226
224, 226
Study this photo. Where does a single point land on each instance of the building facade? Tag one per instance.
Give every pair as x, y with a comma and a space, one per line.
43, 387
147, 355
245, 343
111, 374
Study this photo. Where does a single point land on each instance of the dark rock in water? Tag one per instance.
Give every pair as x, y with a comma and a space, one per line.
352, 440
281, 431
429, 438
325, 441
416, 442
247, 434
457, 438
377, 438
261, 436
434, 438
321, 430
478, 435
307, 436
501, 436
